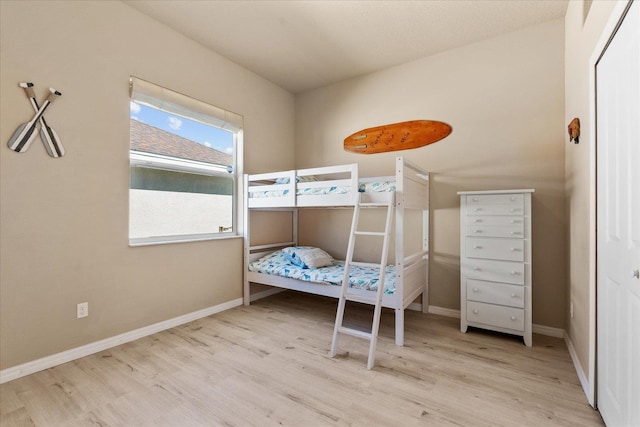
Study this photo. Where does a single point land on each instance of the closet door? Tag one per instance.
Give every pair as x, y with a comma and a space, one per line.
618, 225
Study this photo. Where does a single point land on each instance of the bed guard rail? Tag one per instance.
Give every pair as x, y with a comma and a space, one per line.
275, 189
314, 187
412, 182
327, 186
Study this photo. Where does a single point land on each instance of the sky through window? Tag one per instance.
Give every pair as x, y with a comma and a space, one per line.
206, 135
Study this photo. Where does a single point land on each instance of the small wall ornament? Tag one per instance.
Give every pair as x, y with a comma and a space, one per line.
27, 132
574, 130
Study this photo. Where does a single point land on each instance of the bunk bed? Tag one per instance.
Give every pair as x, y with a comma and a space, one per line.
341, 187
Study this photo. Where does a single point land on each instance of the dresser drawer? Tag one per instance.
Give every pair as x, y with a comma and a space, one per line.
514, 232
496, 315
495, 293
495, 210
501, 221
496, 199
502, 249
494, 271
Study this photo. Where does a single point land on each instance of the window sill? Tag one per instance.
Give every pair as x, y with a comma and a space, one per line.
166, 240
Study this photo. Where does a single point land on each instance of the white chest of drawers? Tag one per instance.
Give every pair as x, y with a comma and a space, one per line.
495, 261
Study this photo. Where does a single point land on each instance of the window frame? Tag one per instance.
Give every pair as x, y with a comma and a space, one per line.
176, 164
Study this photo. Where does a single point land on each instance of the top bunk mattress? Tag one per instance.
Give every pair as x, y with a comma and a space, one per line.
383, 185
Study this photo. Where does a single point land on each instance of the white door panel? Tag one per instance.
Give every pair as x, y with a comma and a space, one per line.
618, 225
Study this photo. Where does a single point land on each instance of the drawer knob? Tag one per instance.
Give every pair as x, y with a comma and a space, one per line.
475, 199
512, 198
513, 210
476, 268
514, 273
513, 295
477, 209
477, 247
475, 289
515, 221
513, 318
475, 311
477, 220
515, 233
477, 231
515, 249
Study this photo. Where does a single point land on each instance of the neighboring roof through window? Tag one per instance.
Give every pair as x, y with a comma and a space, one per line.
149, 139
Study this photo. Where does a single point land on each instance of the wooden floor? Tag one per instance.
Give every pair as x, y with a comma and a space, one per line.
267, 364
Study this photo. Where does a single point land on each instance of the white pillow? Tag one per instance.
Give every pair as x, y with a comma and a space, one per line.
308, 256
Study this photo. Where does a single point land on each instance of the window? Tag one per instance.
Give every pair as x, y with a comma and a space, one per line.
183, 167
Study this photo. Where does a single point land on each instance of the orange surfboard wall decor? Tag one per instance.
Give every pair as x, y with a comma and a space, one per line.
397, 136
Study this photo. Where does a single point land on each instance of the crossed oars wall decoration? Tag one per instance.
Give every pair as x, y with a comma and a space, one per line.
27, 132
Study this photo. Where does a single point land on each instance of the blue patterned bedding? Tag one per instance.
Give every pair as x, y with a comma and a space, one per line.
359, 277
368, 187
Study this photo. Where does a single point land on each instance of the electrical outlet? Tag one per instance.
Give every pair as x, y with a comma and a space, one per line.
83, 309
571, 309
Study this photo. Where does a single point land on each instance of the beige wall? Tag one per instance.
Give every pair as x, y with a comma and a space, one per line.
581, 35
504, 98
64, 222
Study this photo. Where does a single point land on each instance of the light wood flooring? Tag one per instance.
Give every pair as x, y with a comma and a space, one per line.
267, 364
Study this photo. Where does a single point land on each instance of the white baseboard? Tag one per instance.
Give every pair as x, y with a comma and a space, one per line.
547, 330
448, 312
415, 306
88, 349
264, 294
538, 329
584, 382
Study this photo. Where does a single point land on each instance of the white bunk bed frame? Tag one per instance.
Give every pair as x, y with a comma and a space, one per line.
412, 193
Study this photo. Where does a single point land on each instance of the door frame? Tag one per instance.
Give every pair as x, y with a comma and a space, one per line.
607, 34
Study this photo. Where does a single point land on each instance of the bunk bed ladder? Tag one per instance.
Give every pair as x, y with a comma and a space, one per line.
346, 295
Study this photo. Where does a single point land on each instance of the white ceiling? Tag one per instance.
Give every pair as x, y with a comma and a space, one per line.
302, 45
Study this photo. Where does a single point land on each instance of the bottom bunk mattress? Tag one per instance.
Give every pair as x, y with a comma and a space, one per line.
278, 264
